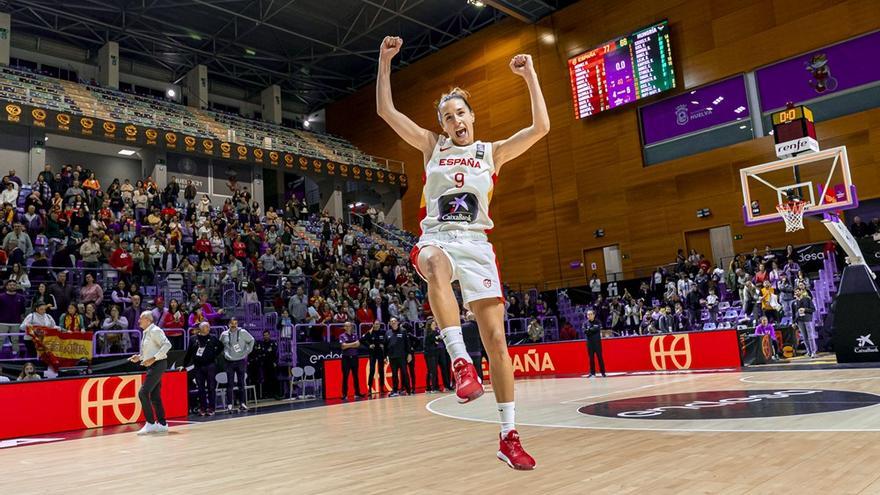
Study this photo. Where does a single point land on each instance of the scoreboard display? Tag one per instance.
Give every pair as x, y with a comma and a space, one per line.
622, 71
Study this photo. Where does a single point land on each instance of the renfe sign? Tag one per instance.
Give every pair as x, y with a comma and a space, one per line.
666, 352
49, 406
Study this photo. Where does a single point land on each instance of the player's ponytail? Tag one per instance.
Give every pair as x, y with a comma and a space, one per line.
455, 92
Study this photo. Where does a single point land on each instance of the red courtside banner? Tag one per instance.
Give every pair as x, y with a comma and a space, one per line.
50, 406
667, 352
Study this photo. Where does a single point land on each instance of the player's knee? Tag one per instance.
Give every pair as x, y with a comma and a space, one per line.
496, 345
434, 267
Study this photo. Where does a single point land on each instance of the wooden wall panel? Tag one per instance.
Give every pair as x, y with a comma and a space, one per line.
589, 174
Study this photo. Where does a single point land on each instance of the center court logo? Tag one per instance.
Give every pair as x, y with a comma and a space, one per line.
671, 352
732, 404
94, 400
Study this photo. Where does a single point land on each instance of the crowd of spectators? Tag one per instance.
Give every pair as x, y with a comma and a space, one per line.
688, 293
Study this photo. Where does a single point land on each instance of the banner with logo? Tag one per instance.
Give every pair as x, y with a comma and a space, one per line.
60, 349
135, 135
333, 376
668, 352
699, 109
49, 406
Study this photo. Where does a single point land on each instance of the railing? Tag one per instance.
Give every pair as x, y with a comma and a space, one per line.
405, 244
17, 347
101, 340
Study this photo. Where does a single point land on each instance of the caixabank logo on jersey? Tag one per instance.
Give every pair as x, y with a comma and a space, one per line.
460, 207
732, 404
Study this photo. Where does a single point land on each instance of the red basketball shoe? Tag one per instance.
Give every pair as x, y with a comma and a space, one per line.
512, 453
468, 385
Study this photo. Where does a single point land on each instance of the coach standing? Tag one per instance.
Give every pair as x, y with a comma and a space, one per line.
154, 351
237, 344
433, 345
593, 329
349, 343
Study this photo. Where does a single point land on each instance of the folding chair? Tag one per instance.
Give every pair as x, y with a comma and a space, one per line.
296, 377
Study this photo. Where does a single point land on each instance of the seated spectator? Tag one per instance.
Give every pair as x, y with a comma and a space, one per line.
28, 373
857, 228
20, 277
9, 194
567, 332
72, 321
115, 342
91, 318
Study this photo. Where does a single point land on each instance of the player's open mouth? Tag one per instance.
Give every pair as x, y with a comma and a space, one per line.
461, 133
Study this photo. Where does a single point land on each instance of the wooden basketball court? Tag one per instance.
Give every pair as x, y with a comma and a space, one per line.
801, 431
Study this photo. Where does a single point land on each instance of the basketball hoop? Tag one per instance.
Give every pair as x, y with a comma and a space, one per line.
792, 213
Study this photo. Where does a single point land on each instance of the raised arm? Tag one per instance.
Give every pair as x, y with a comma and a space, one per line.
421, 139
510, 148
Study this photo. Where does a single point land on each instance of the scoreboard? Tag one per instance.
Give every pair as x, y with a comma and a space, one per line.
622, 71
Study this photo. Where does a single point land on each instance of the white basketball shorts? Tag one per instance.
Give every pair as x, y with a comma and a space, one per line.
473, 262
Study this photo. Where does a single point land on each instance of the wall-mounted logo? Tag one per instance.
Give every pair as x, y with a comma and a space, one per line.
151, 135
208, 145
671, 352
109, 127
683, 115
13, 113
242, 151
63, 121
189, 141
94, 399
171, 138
732, 404
39, 116
86, 123
130, 131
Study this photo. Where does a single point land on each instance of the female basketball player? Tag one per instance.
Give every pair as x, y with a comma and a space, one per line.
459, 177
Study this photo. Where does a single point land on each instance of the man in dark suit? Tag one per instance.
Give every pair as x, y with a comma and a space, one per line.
434, 346
397, 352
593, 331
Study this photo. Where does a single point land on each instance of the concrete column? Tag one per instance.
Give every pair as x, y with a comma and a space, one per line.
257, 193
391, 206
270, 99
197, 87
5, 35
108, 65
36, 155
331, 197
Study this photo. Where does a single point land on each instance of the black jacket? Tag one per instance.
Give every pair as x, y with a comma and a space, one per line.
398, 343
806, 304
378, 340
433, 343
212, 347
593, 329
264, 353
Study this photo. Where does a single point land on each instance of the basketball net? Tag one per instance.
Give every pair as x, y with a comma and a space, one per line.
792, 213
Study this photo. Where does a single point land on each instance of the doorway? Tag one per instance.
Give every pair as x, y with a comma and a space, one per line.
603, 261
716, 244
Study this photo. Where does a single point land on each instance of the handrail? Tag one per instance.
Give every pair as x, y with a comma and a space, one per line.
408, 245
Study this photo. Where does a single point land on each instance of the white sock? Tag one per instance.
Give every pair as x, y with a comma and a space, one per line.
455, 344
507, 411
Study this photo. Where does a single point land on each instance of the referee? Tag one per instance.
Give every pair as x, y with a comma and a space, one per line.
154, 351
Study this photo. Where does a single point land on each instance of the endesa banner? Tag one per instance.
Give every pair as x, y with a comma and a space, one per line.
667, 352
49, 406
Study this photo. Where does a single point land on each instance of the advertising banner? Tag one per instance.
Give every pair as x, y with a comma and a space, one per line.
667, 352
49, 406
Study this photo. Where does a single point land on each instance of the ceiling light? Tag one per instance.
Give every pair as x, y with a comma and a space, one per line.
171, 93
306, 124
548, 38
742, 127
476, 3
125, 152
250, 51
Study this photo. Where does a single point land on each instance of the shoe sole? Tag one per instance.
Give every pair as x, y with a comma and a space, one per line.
476, 394
503, 458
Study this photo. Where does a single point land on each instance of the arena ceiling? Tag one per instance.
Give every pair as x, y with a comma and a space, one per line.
316, 50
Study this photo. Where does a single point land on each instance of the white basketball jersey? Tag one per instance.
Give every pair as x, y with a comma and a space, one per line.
458, 188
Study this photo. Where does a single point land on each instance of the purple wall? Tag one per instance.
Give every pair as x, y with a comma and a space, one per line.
820, 72
696, 110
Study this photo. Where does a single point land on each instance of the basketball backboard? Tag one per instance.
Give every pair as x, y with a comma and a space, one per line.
821, 179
